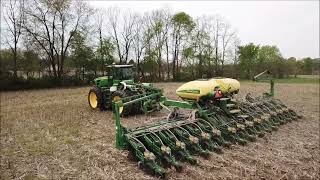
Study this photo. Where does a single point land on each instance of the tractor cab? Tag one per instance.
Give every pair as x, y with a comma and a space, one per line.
120, 72
115, 74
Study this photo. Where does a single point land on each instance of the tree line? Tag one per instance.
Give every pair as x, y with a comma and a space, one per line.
60, 40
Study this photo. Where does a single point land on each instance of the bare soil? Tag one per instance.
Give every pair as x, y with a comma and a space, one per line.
53, 134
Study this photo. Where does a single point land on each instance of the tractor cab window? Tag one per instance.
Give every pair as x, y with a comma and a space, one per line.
124, 73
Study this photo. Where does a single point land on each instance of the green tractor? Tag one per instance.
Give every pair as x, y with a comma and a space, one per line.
119, 84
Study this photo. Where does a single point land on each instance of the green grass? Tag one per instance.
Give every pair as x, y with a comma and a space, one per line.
300, 79
309, 76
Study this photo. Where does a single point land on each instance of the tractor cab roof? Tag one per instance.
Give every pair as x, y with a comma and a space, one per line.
121, 66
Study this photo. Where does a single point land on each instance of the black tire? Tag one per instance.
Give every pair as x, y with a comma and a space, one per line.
141, 165
122, 94
101, 104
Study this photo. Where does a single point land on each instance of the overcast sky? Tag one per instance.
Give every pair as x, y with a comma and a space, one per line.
293, 26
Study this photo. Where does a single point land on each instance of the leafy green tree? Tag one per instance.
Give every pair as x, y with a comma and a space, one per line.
188, 54
270, 58
316, 66
160, 22
149, 65
6, 62
307, 65
30, 62
248, 57
81, 54
254, 59
202, 50
292, 66
183, 24
104, 55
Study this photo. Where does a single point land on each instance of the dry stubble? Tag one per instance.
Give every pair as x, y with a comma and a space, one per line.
53, 134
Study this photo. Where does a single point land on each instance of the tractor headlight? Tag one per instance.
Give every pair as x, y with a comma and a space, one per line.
216, 132
194, 139
205, 135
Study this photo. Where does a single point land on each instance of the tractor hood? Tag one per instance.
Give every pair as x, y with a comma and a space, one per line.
196, 89
101, 78
129, 82
101, 81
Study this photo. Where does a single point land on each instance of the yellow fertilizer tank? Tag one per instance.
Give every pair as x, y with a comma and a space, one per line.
198, 88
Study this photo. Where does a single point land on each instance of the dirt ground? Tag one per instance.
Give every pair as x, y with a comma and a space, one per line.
53, 134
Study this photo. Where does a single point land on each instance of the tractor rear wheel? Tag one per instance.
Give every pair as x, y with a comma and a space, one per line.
96, 99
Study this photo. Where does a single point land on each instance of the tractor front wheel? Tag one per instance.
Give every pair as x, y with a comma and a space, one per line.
96, 99
118, 95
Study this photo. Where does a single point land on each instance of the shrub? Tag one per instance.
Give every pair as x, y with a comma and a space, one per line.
8, 82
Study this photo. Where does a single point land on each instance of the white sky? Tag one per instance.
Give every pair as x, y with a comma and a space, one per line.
293, 26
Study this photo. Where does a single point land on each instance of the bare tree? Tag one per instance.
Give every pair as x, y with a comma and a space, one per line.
216, 38
201, 43
138, 40
168, 16
14, 18
236, 43
129, 20
182, 26
52, 24
221, 36
100, 22
113, 13
212, 26
160, 23
227, 36
123, 37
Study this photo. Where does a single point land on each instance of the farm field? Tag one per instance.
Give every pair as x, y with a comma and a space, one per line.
301, 79
53, 134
